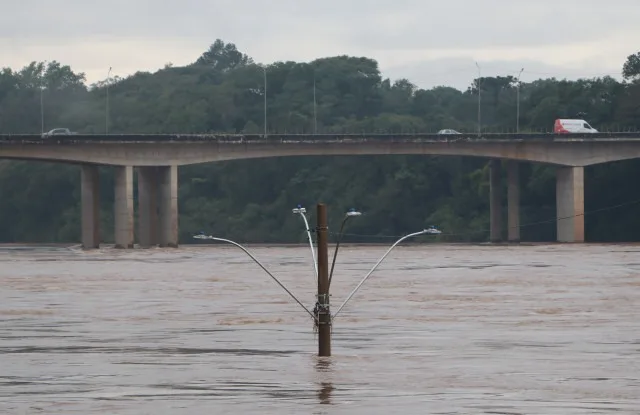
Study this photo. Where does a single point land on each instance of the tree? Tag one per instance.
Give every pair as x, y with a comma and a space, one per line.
249, 200
631, 68
223, 57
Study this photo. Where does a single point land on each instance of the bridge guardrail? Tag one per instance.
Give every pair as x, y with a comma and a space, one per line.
311, 138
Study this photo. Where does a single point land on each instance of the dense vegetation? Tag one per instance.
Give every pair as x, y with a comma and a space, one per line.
223, 91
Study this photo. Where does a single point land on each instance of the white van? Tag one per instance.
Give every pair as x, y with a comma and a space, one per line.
572, 126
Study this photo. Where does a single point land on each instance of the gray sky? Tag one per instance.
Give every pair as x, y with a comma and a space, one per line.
429, 42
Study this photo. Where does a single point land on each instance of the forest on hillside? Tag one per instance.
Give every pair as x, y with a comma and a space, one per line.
223, 90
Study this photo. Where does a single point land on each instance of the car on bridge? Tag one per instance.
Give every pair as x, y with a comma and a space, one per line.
58, 131
562, 126
447, 131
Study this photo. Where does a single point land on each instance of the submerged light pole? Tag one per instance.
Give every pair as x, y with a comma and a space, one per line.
321, 314
322, 311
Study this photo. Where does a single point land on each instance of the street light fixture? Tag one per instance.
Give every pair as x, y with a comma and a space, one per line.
106, 114
424, 231
518, 102
321, 314
264, 70
315, 114
301, 211
42, 109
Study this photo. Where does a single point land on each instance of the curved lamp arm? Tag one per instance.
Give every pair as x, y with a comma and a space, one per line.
376, 266
349, 214
260, 265
301, 211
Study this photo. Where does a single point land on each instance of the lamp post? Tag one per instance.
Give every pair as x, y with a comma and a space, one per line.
42, 110
315, 114
518, 102
264, 70
479, 99
106, 113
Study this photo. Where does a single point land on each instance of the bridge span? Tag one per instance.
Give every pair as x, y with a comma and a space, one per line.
156, 158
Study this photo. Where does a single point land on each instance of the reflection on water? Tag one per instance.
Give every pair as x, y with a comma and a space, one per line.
438, 329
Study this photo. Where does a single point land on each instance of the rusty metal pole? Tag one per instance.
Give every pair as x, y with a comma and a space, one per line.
322, 311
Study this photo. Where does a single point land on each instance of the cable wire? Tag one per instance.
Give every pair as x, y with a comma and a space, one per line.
606, 208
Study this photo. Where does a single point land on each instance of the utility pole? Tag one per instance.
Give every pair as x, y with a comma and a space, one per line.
518, 103
322, 312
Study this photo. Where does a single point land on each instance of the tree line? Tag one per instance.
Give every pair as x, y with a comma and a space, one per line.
223, 90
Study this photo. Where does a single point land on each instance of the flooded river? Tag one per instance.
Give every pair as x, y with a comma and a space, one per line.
443, 329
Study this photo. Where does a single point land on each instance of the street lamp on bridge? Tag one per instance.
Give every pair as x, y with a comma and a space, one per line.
518, 102
106, 112
42, 88
479, 99
264, 70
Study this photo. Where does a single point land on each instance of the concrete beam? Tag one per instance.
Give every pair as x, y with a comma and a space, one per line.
148, 206
568, 151
570, 204
168, 177
123, 206
513, 201
495, 200
90, 206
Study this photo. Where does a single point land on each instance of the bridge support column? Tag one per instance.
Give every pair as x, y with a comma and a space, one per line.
90, 206
168, 176
495, 200
123, 206
513, 201
147, 206
570, 204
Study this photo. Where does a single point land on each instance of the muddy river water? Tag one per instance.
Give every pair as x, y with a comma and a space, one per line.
438, 329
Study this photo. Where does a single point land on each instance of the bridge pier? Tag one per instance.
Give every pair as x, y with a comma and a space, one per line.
168, 206
90, 206
513, 201
570, 204
495, 200
123, 206
158, 206
147, 206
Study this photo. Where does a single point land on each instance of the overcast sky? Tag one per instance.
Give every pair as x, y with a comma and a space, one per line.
429, 42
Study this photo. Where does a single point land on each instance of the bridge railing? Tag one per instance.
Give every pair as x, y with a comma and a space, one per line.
298, 138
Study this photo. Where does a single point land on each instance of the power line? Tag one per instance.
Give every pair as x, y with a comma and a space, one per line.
607, 208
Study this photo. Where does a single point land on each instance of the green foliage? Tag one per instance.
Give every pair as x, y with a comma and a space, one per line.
223, 91
631, 68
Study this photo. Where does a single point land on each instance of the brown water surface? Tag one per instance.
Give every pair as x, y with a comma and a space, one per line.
444, 329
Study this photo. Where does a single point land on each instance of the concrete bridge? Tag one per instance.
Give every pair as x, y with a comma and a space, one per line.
157, 157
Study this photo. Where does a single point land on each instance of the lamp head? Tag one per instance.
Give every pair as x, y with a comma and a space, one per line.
353, 212
299, 209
